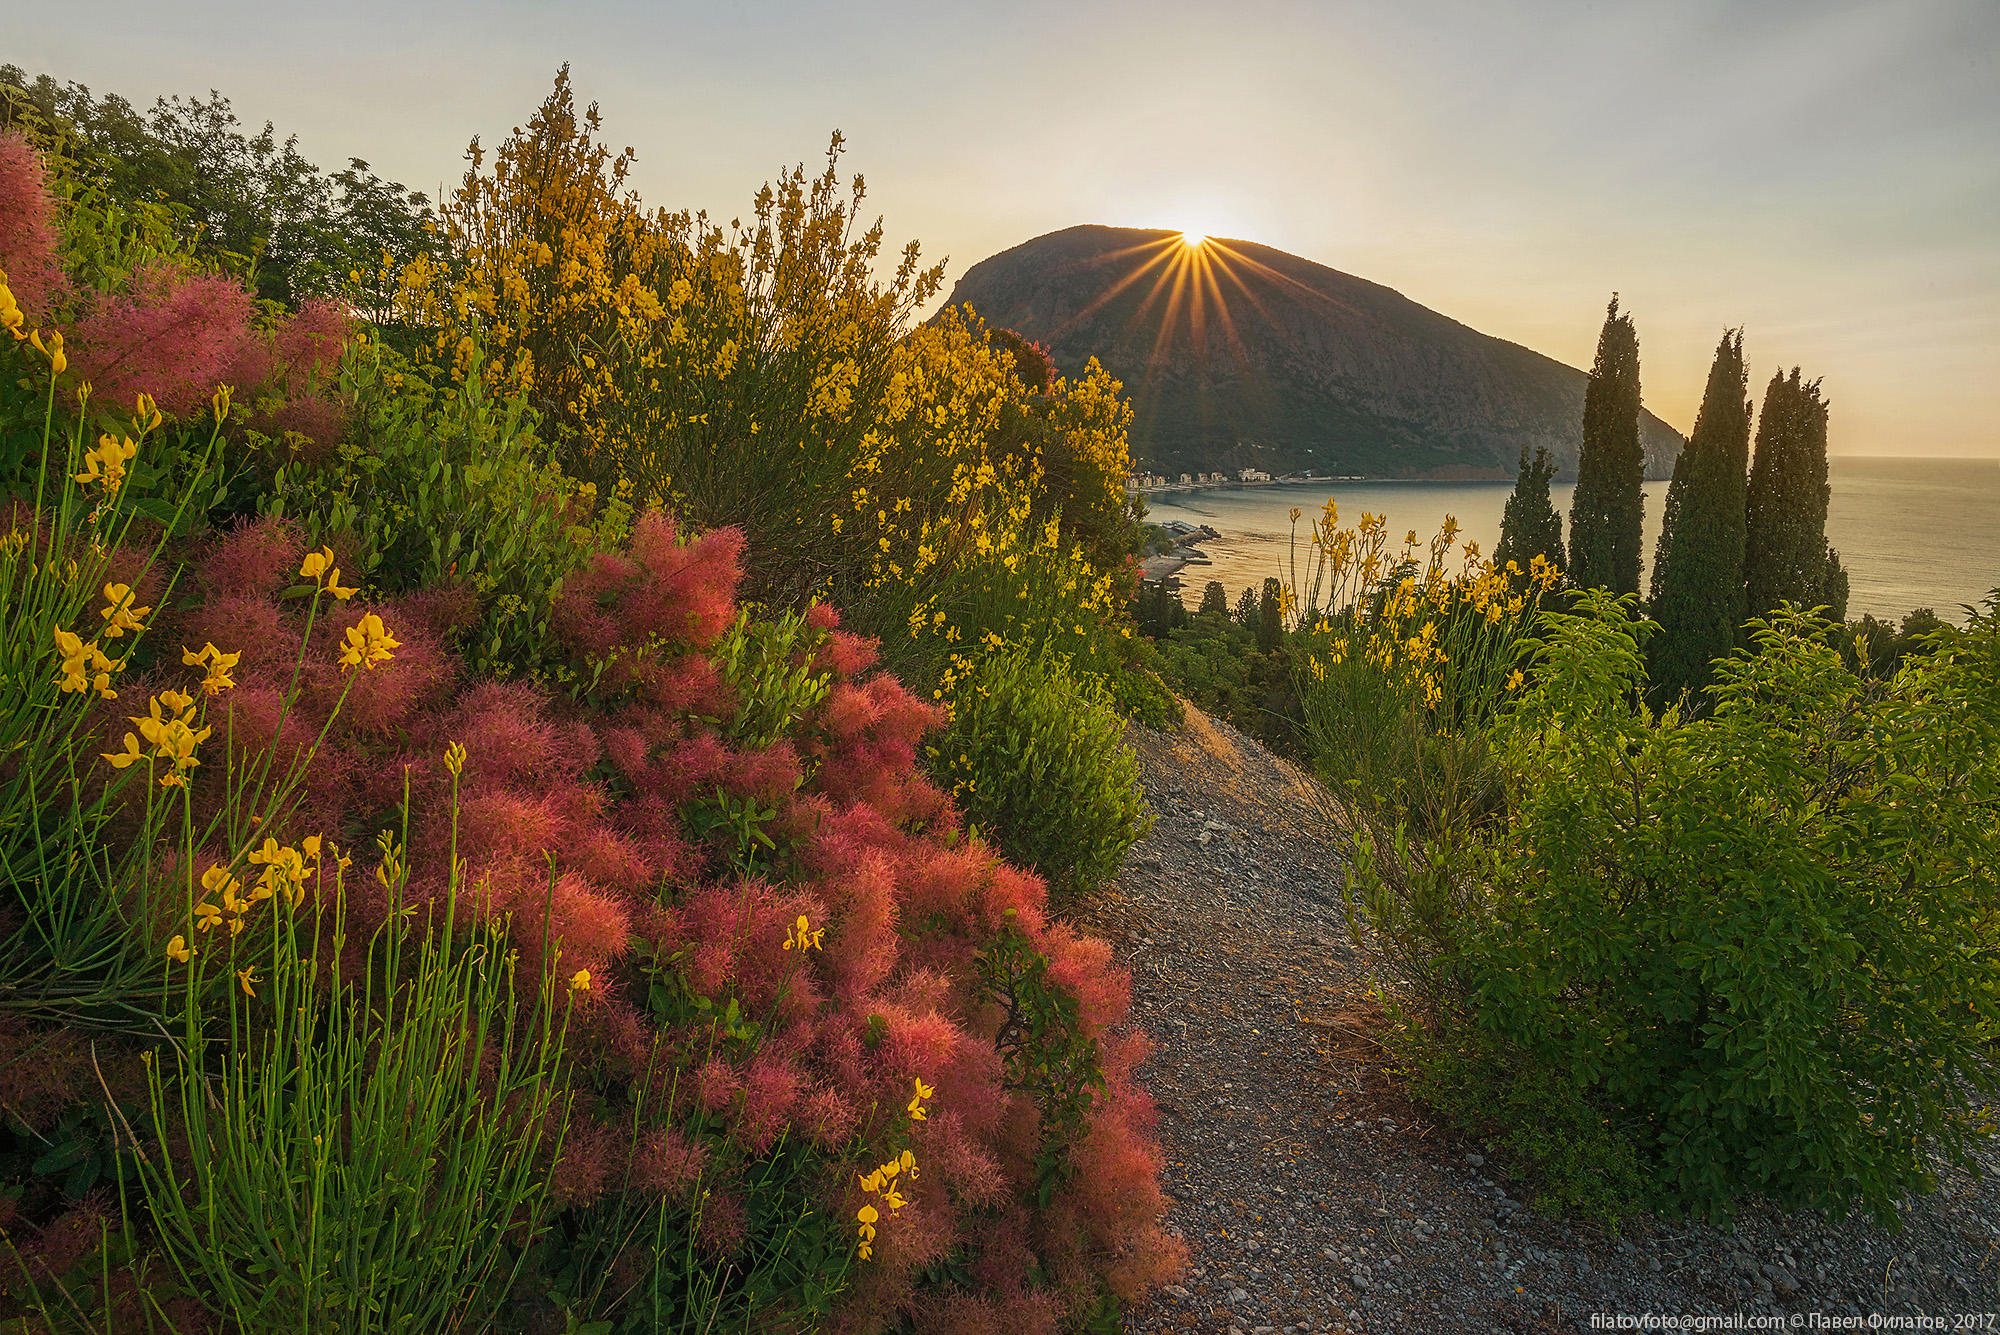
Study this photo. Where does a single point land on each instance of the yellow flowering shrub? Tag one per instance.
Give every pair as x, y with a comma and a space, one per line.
764, 377
1403, 655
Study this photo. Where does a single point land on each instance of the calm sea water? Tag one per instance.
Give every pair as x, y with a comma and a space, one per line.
1911, 532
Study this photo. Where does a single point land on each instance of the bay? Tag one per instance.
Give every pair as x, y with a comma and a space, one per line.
1911, 532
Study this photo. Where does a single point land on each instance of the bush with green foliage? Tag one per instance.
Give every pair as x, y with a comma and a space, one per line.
441, 484
1034, 754
1877, 648
1215, 664
1761, 941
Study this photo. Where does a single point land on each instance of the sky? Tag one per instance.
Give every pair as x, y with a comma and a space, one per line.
1825, 174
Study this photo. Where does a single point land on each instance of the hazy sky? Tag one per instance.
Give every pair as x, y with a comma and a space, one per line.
1825, 173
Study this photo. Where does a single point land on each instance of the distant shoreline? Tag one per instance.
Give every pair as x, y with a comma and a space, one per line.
1373, 480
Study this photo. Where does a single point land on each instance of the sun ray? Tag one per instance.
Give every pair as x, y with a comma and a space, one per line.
1162, 256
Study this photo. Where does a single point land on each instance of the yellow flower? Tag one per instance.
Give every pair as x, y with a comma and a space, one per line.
206, 916
178, 949
84, 666
454, 759
802, 936
172, 738
368, 644
580, 981
106, 463
219, 401
316, 563
217, 879
1514, 680
916, 1104
285, 869
146, 414
53, 350
865, 1220
245, 978
216, 662
120, 616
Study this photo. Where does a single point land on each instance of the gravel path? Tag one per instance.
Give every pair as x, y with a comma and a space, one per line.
1315, 1197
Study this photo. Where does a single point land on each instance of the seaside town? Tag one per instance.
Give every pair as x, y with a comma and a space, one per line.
1156, 484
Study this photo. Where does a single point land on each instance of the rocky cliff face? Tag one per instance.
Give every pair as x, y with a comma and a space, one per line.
1238, 355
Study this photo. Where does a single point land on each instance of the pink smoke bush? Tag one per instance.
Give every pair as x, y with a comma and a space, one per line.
576, 822
28, 251
174, 334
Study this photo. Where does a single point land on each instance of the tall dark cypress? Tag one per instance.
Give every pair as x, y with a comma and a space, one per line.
1604, 519
1530, 526
1270, 618
1698, 566
1786, 556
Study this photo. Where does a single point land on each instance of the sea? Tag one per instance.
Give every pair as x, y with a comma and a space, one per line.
1911, 532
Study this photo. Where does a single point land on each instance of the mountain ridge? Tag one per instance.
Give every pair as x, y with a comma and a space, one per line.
1240, 355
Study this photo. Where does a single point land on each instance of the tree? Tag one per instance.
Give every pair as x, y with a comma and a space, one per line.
1531, 527
1697, 594
1604, 520
1270, 618
1031, 360
1215, 598
251, 203
1786, 557
1246, 609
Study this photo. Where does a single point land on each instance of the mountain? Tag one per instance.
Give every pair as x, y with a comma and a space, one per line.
1237, 355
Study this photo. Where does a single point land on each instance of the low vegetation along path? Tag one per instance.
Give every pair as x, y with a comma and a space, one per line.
1314, 1197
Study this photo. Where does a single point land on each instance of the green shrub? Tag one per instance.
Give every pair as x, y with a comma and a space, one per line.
446, 486
1138, 690
1035, 757
1581, 1162
1215, 664
1382, 753
1762, 938
74, 883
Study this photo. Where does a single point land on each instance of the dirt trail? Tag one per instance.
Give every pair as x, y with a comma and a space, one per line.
1314, 1197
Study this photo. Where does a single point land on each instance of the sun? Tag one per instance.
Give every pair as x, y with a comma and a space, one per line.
1193, 239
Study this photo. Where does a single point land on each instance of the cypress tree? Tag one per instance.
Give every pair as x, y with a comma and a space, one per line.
1698, 567
1530, 527
1246, 609
1604, 519
1270, 618
1786, 557
1214, 598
